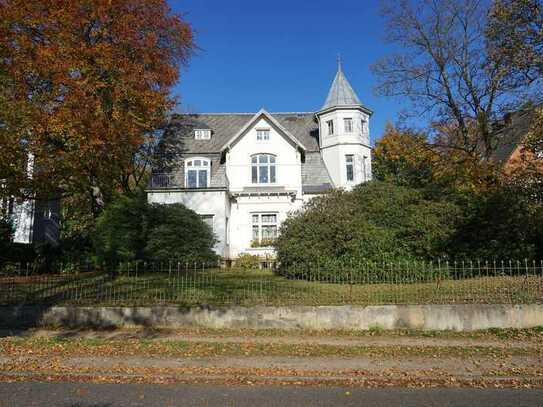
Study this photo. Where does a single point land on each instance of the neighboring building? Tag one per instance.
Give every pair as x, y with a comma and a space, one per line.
244, 172
34, 221
510, 152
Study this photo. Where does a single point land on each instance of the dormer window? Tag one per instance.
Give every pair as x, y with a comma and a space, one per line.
330, 124
262, 134
197, 172
202, 134
348, 125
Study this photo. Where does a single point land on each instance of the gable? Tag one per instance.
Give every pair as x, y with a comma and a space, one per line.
264, 119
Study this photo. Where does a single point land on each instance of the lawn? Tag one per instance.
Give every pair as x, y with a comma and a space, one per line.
235, 287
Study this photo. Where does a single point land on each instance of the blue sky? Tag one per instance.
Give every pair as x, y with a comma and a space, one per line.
281, 55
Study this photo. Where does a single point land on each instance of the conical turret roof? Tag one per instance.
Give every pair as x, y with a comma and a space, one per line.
341, 93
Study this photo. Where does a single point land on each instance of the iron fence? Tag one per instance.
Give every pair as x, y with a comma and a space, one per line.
190, 283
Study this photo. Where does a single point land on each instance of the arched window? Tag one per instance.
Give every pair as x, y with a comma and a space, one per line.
197, 172
263, 169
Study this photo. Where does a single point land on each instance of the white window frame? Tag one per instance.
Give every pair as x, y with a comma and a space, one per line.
202, 134
349, 128
271, 162
262, 134
330, 126
191, 165
349, 162
260, 224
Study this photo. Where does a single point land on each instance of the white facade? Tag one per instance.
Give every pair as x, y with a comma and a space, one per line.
251, 171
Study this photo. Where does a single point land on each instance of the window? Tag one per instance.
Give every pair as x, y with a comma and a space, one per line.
264, 227
330, 124
262, 134
363, 125
348, 125
197, 173
263, 169
349, 165
202, 134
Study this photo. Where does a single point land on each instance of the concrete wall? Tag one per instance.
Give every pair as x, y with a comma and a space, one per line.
421, 317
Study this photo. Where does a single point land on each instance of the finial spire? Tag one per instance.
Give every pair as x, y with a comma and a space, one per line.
338, 61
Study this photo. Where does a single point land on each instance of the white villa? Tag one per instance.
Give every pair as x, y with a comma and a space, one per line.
244, 172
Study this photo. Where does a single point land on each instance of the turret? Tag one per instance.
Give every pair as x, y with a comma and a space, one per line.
344, 134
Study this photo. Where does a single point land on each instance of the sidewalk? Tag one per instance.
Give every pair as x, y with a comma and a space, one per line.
379, 360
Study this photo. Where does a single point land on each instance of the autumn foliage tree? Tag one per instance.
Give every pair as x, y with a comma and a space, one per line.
83, 84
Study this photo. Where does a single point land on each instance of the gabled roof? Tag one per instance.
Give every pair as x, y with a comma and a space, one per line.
263, 114
224, 126
512, 133
341, 92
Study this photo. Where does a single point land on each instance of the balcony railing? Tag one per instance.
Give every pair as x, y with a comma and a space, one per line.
165, 181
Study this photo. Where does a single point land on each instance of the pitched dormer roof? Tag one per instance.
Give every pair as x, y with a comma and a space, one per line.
341, 92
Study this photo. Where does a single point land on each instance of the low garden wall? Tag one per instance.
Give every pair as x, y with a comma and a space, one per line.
462, 317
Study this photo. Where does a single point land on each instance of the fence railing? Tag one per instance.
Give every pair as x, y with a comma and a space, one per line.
164, 180
189, 283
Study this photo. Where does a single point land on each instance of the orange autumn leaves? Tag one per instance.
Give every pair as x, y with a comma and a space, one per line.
83, 82
407, 157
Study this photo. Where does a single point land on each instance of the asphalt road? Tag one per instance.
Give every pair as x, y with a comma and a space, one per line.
109, 395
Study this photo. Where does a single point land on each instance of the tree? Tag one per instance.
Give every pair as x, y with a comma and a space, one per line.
407, 157
515, 36
444, 69
403, 157
83, 84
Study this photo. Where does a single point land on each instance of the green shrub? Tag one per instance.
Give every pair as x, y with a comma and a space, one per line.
247, 261
120, 233
377, 222
502, 224
131, 229
176, 232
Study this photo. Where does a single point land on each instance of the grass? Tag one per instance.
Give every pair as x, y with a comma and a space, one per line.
234, 287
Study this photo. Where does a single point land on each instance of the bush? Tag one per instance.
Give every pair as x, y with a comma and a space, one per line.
6, 235
376, 222
176, 232
247, 261
502, 224
120, 233
131, 229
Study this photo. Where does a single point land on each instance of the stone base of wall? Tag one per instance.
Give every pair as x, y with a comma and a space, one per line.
419, 317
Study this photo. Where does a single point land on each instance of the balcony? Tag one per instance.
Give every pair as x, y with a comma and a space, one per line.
165, 180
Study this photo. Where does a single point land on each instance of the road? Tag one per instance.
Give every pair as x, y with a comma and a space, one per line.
113, 395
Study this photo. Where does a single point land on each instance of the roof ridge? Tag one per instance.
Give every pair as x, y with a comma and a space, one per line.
235, 113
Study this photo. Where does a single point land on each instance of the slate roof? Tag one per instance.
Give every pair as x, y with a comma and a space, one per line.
315, 177
224, 126
341, 92
512, 135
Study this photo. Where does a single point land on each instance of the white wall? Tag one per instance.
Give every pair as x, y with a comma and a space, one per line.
203, 203
23, 221
288, 160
